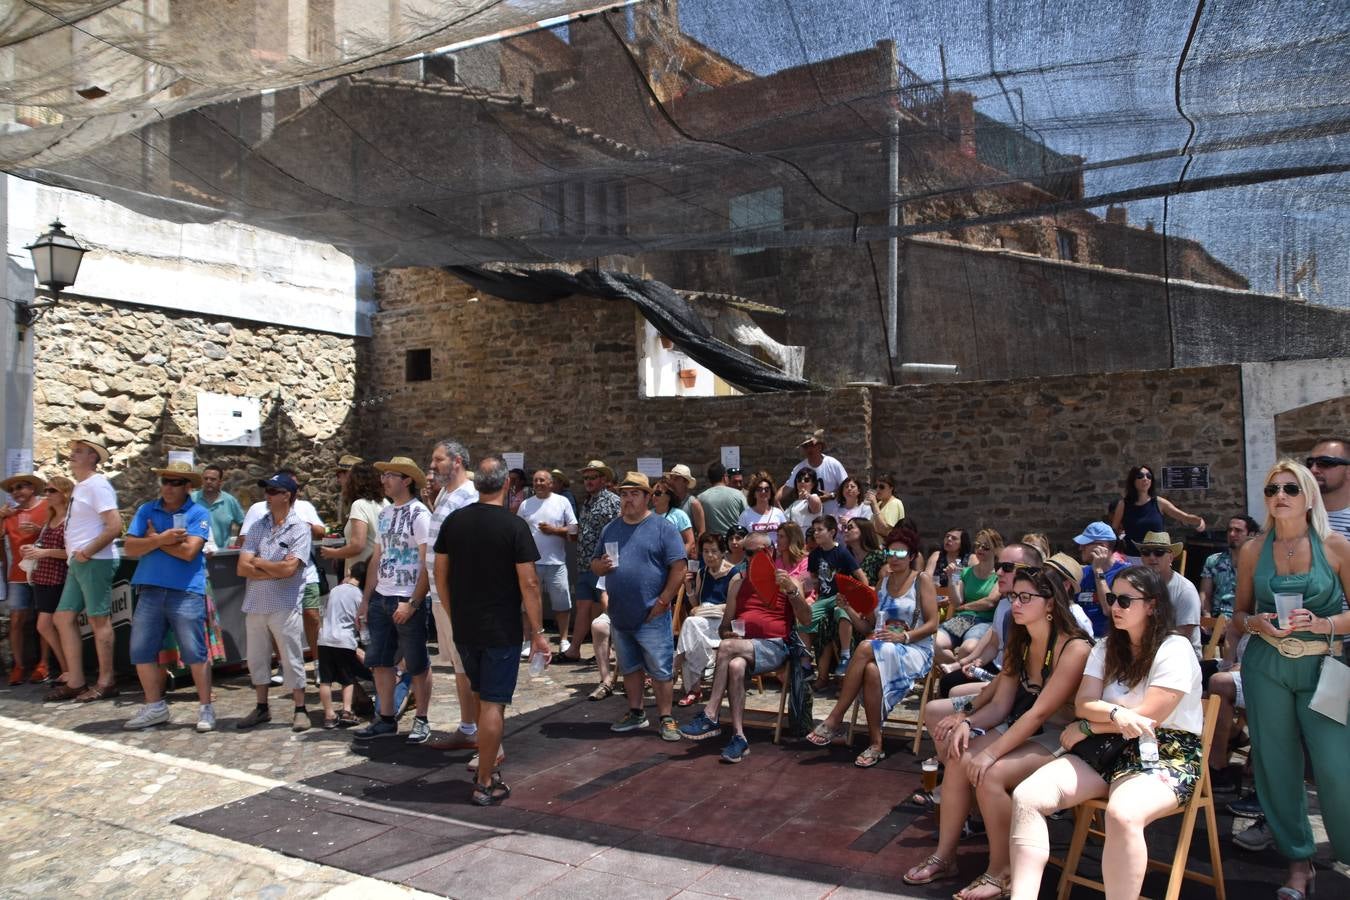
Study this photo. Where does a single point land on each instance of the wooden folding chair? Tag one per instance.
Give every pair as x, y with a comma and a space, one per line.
926, 692
681, 610
1216, 626
1087, 814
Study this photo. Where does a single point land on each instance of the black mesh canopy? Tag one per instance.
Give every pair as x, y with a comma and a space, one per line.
722, 127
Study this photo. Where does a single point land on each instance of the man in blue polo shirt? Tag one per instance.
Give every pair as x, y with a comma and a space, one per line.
168, 535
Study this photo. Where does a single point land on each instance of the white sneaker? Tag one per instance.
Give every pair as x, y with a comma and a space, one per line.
206, 719
525, 650
149, 714
565, 646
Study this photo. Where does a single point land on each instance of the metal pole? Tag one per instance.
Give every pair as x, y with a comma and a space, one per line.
893, 242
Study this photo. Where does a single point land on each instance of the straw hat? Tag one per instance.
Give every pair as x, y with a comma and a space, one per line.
18, 478
634, 480
1067, 566
1160, 540
814, 437
102, 451
560, 477
598, 466
346, 461
180, 469
682, 471
403, 466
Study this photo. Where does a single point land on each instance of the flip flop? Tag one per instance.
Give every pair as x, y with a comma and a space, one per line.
822, 735
869, 758
920, 801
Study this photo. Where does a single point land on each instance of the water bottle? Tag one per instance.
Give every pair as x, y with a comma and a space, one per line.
538, 663
979, 673
1148, 751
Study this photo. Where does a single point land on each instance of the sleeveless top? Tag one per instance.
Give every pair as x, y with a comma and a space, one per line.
714, 590
1139, 521
904, 610
1319, 586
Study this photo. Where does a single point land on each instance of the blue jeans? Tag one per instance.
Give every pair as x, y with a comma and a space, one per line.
158, 608
389, 641
650, 647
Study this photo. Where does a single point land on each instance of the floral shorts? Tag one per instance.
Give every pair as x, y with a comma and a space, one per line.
1179, 761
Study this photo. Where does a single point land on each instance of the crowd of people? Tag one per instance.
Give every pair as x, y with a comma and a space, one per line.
1064, 675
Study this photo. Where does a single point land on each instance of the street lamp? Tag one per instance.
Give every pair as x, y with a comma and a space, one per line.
56, 260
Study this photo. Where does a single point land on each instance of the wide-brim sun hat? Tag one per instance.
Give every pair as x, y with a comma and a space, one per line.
403, 466
180, 470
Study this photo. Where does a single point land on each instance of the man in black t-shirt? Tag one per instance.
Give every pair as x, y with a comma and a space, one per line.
484, 574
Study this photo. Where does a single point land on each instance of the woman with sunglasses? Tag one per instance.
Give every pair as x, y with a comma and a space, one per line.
900, 651
992, 749
976, 597
764, 515
1141, 679
1142, 511
48, 577
807, 506
1299, 555
946, 563
663, 504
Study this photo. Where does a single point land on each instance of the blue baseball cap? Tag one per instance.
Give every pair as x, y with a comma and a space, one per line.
1097, 531
281, 480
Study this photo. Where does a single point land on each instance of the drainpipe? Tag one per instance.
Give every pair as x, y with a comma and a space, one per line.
893, 242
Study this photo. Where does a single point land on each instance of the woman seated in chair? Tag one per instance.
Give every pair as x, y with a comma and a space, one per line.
1141, 679
900, 651
1014, 734
698, 632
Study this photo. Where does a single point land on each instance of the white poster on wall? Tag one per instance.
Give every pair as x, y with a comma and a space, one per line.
731, 457
18, 459
229, 421
649, 466
514, 460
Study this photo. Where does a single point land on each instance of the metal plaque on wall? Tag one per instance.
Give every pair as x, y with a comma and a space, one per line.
1186, 478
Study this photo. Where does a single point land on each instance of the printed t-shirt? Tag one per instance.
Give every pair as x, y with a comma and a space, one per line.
403, 529
825, 564
483, 544
763, 523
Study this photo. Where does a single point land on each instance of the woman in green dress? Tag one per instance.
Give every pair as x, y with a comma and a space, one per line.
1298, 555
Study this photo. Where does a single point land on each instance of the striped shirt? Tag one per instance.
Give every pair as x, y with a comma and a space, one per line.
1340, 520
273, 543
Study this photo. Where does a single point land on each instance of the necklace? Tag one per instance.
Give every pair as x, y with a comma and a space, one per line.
1290, 544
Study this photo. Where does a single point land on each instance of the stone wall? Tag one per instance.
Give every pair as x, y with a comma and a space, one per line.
1297, 430
130, 375
1049, 454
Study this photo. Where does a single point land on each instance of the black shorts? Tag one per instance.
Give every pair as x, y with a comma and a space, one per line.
339, 665
47, 596
491, 671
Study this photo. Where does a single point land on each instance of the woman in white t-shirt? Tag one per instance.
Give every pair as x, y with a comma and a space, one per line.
764, 515
1141, 680
807, 506
850, 504
366, 499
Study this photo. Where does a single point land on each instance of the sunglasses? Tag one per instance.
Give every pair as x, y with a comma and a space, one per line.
763, 487
1024, 597
1326, 462
1006, 567
1122, 600
660, 493
174, 482
1153, 552
983, 548
898, 554
1290, 489
1143, 476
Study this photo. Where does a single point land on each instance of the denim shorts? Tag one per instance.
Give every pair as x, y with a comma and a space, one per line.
20, 595
389, 641
650, 647
492, 671
159, 608
770, 654
587, 589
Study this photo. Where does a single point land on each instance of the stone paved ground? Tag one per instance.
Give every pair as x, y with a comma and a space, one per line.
89, 809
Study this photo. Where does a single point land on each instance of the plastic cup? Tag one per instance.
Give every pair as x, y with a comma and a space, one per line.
694, 566
738, 627
538, 663
1285, 604
612, 551
930, 773
180, 520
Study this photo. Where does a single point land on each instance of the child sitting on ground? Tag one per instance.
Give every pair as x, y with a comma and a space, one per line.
338, 661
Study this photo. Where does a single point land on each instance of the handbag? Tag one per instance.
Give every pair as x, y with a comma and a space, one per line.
1332, 697
1101, 751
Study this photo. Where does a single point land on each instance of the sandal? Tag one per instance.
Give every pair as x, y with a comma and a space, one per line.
346, 719
603, 691
63, 692
869, 758
823, 735
986, 880
98, 692
488, 794
330, 724
938, 869
689, 699
920, 801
